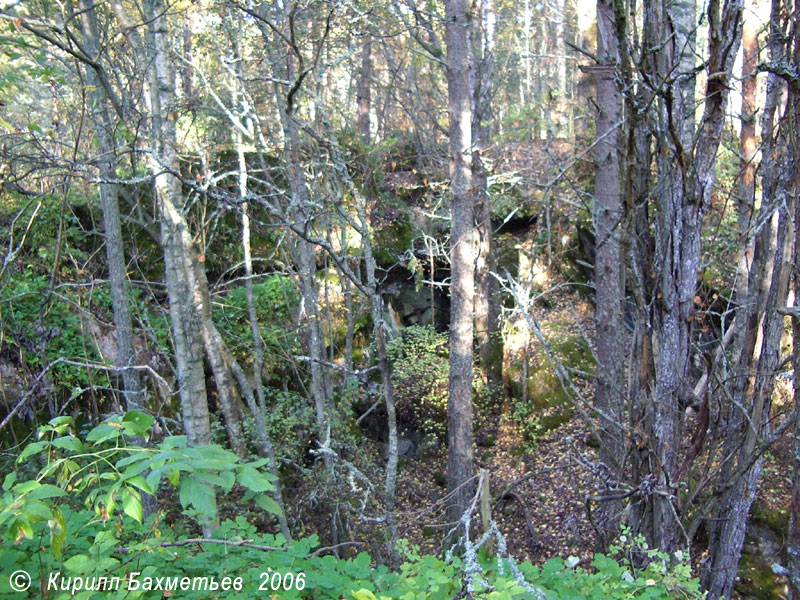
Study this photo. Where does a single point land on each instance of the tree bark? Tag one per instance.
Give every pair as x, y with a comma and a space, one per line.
793, 543
460, 466
683, 198
365, 90
133, 390
609, 272
175, 238
758, 347
487, 336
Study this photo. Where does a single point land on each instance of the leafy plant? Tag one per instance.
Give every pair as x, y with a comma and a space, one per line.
77, 530
45, 326
276, 299
420, 360
105, 472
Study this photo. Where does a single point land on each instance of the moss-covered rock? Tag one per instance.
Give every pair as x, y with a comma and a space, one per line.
547, 405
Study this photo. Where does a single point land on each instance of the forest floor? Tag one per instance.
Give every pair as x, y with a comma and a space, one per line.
542, 485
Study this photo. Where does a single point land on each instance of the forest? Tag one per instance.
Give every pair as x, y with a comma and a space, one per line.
414, 299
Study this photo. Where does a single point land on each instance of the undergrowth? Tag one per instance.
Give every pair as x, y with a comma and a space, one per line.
77, 530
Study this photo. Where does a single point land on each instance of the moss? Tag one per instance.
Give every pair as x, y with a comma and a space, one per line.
776, 521
757, 580
548, 405
392, 238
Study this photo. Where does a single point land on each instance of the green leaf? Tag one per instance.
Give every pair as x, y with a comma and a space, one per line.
173, 441
34, 128
254, 480
60, 421
104, 432
26, 486
224, 480
268, 504
46, 491
137, 423
198, 494
70, 443
133, 458
58, 532
21, 528
9, 480
154, 478
134, 470
79, 564
132, 503
37, 511
140, 483
32, 449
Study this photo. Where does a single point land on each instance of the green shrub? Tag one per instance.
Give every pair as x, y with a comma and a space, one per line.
276, 300
80, 518
46, 326
420, 371
420, 376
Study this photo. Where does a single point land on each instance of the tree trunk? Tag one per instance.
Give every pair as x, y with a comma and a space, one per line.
486, 328
365, 90
683, 197
684, 20
175, 238
609, 272
793, 543
758, 347
460, 466
133, 390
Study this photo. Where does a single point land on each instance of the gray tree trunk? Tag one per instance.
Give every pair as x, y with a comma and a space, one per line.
460, 466
757, 349
684, 20
487, 336
609, 273
688, 175
133, 389
174, 236
365, 90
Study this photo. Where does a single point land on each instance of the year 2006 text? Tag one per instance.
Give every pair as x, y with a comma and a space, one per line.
274, 581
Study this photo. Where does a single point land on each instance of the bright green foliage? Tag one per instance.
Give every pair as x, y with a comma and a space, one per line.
67, 521
420, 374
45, 326
105, 473
276, 300
41, 222
97, 549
